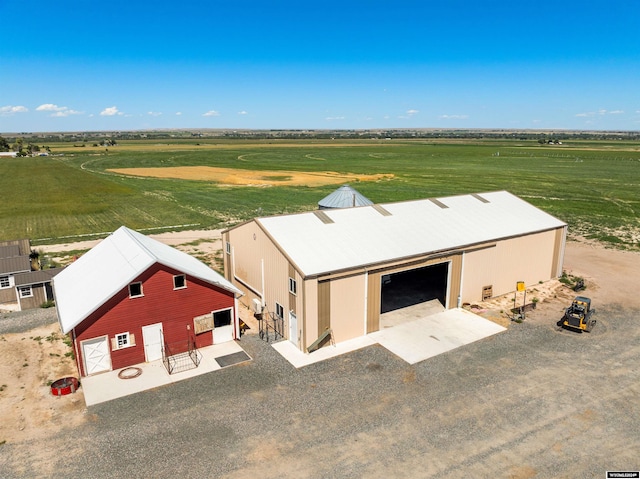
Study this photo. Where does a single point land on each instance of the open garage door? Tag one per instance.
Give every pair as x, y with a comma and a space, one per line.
415, 286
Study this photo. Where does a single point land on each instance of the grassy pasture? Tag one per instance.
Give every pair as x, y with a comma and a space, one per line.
591, 185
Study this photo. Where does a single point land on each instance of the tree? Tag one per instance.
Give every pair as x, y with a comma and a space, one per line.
4, 144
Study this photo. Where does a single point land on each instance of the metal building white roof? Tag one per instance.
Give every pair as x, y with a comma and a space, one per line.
331, 240
111, 265
344, 197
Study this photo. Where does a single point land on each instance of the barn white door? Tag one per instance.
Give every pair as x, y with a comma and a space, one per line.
96, 355
223, 326
153, 341
293, 328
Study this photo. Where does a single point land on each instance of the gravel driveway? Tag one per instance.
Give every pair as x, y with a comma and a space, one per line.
530, 402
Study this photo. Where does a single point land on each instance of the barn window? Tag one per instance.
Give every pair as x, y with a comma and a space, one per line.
123, 340
179, 281
5, 282
135, 290
279, 310
228, 248
293, 286
25, 291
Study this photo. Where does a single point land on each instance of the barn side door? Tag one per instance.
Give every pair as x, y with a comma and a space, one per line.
153, 341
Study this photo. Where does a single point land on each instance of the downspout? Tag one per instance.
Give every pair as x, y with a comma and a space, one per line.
75, 348
236, 318
262, 294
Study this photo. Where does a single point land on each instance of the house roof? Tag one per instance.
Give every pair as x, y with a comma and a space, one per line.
36, 277
86, 284
8, 251
331, 240
344, 197
24, 246
15, 264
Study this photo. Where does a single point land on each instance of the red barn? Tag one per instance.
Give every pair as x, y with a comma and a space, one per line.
132, 299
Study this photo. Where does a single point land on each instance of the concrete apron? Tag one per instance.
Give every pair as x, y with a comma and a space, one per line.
413, 340
108, 386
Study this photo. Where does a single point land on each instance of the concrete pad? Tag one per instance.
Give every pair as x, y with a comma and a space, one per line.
108, 386
299, 359
415, 341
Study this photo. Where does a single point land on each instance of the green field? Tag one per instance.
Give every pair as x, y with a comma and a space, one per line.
593, 186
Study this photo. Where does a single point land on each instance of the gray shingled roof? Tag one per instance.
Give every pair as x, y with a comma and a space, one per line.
36, 277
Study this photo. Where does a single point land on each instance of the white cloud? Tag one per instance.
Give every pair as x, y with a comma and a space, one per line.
111, 111
602, 111
412, 112
58, 111
211, 113
10, 110
333, 118
65, 113
154, 113
242, 112
50, 107
454, 117
178, 113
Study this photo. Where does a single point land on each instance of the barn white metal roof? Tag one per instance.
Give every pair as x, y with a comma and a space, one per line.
331, 240
111, 265
344, 197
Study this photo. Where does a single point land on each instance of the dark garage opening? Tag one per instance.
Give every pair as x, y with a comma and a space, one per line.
407, 288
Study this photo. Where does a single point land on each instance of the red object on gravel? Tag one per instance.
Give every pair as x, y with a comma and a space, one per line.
64, 386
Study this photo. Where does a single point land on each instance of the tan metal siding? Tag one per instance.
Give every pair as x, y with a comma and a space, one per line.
347, 307
526, 258
259, 268
226, 258
310, 313
479, 271
558, 252
453, 286
324, 306
374, 298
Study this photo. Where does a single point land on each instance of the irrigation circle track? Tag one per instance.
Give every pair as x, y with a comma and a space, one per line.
130, 373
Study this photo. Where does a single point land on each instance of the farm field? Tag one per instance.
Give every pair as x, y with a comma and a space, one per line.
86, 192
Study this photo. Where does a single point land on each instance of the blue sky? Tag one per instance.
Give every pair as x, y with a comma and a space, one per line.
127, 65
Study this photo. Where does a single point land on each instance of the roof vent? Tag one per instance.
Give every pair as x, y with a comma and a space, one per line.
322, 216
439, 203
478, 197
381, 210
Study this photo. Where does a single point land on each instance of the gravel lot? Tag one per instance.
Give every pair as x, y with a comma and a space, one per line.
21, 321
530, 402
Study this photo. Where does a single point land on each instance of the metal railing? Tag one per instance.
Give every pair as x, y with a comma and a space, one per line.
187, 358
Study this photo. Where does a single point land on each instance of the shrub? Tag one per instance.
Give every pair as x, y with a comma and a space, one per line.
48, 303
